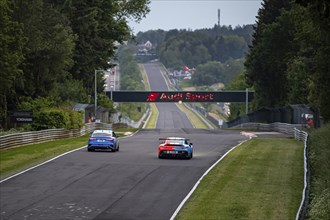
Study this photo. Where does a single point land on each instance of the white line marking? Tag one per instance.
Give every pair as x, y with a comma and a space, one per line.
31, 168
200, 179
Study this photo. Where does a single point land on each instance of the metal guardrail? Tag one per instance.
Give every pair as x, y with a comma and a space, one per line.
300, 135
303, 136
277, 126
32, 137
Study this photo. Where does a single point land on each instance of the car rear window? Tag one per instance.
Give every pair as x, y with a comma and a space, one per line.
174, 142
101, 134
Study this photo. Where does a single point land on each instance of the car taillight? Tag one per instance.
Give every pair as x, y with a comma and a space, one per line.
109, 139
92, 139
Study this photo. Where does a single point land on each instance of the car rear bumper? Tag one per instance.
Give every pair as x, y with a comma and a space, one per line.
101, 147
177, 154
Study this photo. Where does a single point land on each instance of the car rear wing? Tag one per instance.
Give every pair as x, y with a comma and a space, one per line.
174, 138
162, 140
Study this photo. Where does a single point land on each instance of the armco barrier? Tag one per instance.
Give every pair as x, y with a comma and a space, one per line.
303, 136
14, 140
277, 126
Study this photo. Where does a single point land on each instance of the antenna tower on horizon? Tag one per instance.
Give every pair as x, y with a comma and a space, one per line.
218, 17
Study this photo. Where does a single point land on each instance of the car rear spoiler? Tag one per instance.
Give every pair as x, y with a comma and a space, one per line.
162, 140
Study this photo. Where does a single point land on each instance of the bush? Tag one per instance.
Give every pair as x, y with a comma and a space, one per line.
47, 115
319, 155
58, 118
320, 206
52, 118
76, 120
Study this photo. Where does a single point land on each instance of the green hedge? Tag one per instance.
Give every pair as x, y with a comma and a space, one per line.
58, 118
319, 154
76, 119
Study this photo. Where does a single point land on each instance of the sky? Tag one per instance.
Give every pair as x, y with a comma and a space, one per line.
197, 14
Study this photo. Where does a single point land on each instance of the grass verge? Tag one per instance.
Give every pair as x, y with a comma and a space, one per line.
14, 160
151, 123
154, 112
261, 179
144, 77
194, 119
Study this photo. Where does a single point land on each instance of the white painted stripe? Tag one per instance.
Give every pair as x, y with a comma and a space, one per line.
200, 179
31, 168
54, 158
305, 177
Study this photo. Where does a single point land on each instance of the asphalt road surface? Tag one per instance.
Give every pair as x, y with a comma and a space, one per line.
170, 116
129, 184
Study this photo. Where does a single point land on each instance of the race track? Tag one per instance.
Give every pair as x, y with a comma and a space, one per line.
130, 184
170, 116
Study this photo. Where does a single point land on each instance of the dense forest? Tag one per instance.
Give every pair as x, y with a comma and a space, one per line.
288, 62
192, 48
50, 48
286, 54
217, 54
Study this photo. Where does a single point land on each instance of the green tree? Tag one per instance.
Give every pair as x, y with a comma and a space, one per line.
201, 55
209, 73
266, 62
131, 79
46, 44
235, 47
171, 58
98, 25
69, 90
232, 68
154, 36
11, 57
48, 48
192, 48
105, 102
288, 60
315, 38
298, 78
238, 83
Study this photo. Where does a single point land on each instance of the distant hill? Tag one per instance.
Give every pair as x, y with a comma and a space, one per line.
176, 48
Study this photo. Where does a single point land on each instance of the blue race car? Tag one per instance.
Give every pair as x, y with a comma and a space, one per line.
175, 147
103, 140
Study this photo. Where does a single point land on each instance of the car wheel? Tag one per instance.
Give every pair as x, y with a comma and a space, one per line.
191, 156
118, 148
160, 157
88, 149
